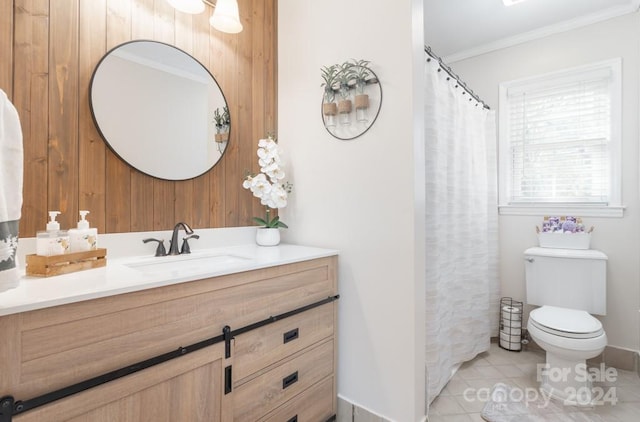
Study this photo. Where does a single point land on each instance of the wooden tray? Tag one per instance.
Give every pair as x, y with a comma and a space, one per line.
47, 266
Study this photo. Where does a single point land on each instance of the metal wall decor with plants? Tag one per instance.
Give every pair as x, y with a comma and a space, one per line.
351, 98
223, 125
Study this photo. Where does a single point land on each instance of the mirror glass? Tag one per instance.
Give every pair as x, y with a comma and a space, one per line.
160, 110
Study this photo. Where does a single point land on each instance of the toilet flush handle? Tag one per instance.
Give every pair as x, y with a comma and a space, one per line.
529, 259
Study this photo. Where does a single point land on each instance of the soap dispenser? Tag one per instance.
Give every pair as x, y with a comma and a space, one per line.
53, 241
83, 238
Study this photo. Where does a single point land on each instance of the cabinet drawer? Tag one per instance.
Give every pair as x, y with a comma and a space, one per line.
188, 388
313, 405
267, 345
266, 392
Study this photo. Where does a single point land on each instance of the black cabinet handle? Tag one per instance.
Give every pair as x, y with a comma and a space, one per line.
289, 336
289, 380
293, 419
228, 383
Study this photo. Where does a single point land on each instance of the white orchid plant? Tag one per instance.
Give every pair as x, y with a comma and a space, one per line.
268, 185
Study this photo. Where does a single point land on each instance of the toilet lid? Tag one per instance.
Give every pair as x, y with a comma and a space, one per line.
566, 322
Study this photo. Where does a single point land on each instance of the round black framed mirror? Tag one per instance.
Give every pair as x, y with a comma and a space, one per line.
160, 110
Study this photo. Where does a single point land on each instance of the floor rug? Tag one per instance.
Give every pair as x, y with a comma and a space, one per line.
514, 404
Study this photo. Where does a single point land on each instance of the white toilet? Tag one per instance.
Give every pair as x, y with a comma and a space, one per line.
568, 285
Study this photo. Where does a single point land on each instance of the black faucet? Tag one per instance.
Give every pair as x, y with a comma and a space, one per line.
173, 247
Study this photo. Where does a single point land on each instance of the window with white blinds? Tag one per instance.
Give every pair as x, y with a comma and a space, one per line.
560, 137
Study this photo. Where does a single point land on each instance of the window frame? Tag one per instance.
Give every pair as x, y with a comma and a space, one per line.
614, 207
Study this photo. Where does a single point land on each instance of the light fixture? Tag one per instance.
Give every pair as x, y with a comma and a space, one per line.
511, 2
225, 18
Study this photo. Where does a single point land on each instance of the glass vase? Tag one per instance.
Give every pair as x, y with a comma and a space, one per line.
330, 110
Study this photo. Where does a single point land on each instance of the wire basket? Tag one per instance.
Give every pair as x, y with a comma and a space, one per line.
510, 324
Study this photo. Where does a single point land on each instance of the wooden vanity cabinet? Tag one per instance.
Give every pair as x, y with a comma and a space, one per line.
279, 371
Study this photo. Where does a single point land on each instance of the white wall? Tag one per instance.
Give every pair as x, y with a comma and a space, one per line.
362, 196
617, 237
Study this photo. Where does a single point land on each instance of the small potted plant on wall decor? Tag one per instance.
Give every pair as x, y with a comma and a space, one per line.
226, 120
268, 185
361, 73
222, 121
329, 107
345, 76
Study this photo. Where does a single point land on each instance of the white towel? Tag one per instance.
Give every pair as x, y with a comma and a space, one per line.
11, 163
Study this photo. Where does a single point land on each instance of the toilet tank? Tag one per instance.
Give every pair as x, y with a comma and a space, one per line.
568, 278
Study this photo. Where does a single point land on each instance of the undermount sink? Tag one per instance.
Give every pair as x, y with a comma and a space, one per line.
193, 263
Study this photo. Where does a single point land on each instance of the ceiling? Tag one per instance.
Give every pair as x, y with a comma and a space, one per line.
456, 29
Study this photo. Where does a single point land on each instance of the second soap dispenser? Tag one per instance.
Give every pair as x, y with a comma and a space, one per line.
83, 238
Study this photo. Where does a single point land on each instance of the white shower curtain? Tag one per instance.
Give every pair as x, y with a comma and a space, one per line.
462, 291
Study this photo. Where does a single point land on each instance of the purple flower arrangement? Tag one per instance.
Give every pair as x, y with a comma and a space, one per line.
564, 224
564, 233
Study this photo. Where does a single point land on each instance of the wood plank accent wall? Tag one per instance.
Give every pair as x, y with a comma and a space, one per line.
48, 51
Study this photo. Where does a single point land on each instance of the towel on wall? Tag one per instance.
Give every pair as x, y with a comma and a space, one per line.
11, 163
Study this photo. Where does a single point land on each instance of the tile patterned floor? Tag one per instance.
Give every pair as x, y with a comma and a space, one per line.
520, 370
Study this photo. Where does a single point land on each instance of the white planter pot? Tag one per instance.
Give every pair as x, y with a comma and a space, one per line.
267, 236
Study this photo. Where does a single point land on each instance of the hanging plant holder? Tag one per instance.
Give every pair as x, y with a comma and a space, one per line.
356, 87
329, 109
345, 106
362, 101
222, 137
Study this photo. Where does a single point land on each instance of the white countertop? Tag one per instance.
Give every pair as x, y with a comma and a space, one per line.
134, 273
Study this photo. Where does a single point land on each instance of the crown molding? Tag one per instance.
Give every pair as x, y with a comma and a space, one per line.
546, 31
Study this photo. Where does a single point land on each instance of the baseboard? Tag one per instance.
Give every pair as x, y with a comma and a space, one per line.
617, 357
622, 359
351, 412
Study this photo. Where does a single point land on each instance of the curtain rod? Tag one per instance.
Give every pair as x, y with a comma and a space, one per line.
453, 75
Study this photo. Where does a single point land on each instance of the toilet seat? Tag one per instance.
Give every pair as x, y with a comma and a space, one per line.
568, 323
